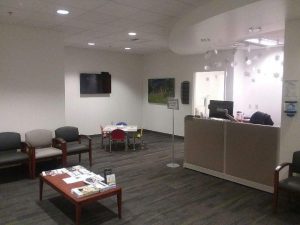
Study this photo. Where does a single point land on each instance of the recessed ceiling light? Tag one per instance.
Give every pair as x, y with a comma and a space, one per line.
132, 34
127, 48
63, 12
91, 43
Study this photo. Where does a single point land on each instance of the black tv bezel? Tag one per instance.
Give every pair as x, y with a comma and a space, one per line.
107, 90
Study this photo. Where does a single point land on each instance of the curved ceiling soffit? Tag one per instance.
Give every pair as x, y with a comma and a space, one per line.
198, 32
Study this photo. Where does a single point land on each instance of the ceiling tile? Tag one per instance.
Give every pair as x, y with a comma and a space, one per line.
96, 17
82, 4
116, 9
68, 31
105, 22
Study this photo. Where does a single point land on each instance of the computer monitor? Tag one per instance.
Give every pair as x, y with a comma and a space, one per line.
217, 109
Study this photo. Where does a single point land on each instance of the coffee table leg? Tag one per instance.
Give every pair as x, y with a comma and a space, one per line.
78, 214
119, 199
41, 188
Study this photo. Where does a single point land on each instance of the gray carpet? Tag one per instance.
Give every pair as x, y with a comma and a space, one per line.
152, 193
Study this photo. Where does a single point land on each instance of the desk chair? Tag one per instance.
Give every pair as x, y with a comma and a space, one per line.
118, 135
290, 184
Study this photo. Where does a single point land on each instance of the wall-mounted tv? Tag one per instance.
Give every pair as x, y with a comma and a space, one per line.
217, 109
92, 83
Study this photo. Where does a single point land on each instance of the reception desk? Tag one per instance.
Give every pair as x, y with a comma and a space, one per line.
240, 152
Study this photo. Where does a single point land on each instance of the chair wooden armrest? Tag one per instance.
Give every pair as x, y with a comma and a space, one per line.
24, 147
279, 168
58, 142
62, 145
85, 136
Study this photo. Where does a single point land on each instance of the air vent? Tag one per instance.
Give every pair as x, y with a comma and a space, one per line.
205, 39
134, 39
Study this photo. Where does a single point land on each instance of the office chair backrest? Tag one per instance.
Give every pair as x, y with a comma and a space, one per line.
296, 162
118, 135
10, 141
67, 133
39, 138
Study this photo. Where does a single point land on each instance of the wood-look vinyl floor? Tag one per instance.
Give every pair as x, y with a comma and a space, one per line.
153, 194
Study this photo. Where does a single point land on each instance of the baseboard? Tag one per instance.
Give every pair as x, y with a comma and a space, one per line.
224, 176
162, 133
147, 131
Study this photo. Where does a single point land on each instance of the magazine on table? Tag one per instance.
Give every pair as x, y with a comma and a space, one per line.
54, 172
96, 181
84, 190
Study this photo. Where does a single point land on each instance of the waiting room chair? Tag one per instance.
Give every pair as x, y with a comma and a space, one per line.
104, 135
117, 135
40, 144
121, 124
69, 140
13, 151
290, 184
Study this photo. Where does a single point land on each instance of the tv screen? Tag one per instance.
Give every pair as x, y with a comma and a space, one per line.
217, 109
95, 83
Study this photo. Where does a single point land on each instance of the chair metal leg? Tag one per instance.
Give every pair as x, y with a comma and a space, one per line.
79, 157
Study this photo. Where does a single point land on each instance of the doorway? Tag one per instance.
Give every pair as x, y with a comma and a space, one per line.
207, 86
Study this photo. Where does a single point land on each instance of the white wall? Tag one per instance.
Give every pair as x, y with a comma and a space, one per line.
258, 86
124, 103
167, 65
290, 126
207, 86
31, 79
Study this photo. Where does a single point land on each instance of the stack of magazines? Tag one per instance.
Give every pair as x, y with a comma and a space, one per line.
84, 190
96, 181
95, 185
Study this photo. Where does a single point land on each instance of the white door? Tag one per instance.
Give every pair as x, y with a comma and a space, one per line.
207, 86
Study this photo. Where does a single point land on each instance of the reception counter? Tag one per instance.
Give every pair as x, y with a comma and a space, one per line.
240, 152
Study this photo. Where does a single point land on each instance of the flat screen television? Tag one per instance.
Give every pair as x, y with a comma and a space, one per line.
217, 109
91, 83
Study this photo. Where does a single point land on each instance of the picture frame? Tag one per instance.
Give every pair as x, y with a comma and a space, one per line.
160, 89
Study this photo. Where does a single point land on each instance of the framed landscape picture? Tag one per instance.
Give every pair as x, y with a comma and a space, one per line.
159, 90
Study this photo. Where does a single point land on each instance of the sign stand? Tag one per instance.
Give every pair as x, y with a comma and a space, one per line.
173, 104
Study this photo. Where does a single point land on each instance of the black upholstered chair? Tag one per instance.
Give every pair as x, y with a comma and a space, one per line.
13, 151
68, 139
290, 184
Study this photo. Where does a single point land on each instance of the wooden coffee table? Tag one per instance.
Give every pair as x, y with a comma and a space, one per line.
57, 183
